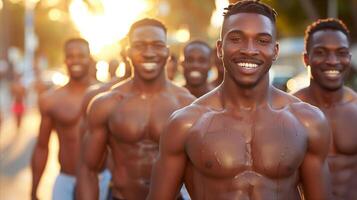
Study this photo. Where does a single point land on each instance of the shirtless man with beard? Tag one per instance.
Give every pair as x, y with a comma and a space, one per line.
129, 119
245, 139
327, 52
61, 111
196, 65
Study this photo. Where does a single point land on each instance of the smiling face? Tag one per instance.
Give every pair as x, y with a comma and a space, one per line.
329, 58
148, 52
77, 59
196, 64
247, 47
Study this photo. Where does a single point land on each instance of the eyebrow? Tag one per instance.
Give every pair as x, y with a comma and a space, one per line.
324, 47
241, 32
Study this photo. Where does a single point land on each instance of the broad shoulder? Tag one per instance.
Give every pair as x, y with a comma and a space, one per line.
350, 95
103, 104
96, 89
313, 120
180, 124
49, 98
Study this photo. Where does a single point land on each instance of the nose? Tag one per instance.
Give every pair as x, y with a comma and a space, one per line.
149, 52
332, 59
249, 49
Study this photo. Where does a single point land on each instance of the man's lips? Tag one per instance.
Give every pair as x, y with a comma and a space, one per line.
149, 66
332, 73
195, 74
76, 68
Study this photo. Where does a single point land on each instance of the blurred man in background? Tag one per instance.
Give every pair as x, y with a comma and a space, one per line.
196, 65
61, 111
327, 52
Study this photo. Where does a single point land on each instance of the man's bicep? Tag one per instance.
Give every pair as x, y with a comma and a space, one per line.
314, 171
169, 169
95, 143
46, 126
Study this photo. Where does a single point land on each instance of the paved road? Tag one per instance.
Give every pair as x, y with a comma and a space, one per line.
15, 155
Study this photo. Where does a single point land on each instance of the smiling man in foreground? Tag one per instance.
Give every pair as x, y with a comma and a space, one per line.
245, 139
130, 118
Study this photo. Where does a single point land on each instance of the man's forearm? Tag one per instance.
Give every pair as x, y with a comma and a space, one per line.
87, 185
38, 165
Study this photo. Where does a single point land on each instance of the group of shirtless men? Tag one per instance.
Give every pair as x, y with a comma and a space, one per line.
243, 140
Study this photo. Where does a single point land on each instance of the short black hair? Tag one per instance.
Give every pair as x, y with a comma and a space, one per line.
146, 22
199, 42
77, 40
324, 24
251, 6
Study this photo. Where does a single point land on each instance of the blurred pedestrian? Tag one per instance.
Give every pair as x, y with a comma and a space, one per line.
61, 111
18, 93
196, 65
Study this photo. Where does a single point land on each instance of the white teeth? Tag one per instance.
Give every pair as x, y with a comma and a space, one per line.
195, 74
332, 72
248, 65
76, 68
149, 66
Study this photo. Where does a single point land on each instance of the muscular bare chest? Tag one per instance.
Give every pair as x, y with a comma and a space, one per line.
270, 143
66, 110
136, 118
343, 122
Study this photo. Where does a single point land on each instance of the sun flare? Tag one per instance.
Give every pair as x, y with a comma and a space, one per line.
104, 23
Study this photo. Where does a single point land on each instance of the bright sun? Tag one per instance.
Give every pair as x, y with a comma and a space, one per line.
105, 24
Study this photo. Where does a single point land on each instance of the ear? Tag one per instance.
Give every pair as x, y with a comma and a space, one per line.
276, 51
219, 49
305, 58
183, 64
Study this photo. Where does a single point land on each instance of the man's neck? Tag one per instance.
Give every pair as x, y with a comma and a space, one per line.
79, 83
150, 87
246, 98
198, 90
324, 97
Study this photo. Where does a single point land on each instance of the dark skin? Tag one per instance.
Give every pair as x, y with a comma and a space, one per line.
129, 119
88, 97
330, 60
196, 66
61, 111
228, 144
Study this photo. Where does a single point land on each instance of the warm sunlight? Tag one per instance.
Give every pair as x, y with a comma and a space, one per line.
104, 23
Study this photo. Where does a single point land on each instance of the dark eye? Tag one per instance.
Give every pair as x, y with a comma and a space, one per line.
236, 39
263, 41
343, 53
158, 46
319, 52
138, 46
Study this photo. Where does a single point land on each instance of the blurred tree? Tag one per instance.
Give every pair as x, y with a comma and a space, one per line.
53, 32
195, 14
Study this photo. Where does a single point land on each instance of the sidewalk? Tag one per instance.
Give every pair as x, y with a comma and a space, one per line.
15, 155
